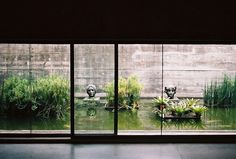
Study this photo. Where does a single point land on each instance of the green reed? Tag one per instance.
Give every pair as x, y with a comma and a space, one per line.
221, 94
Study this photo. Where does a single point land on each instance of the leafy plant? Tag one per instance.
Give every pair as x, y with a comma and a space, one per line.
51, 96
186, 107
160, 101
179, 109
191, 102
199, 109
16, 94
109, 89
129, 90
134, 88
46, 97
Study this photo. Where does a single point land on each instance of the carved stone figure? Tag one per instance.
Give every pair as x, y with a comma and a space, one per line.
91, 90
170, 91
91, 101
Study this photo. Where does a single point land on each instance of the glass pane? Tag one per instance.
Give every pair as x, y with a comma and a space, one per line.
50, 71
15, 114
140, 80
33, 97
204, 79
94, 71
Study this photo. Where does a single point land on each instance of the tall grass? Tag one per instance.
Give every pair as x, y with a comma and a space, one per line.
46, 97
129, 90
221, 94
234, 92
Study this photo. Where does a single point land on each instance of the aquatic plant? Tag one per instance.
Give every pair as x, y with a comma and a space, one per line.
51, 96
160, 102
198, 110
178, 109
191, 102
129, 90
16, 93
183, 108
46, 97
221, 94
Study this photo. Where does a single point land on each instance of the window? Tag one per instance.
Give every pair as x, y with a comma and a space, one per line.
94, 68
35, 88
162, 89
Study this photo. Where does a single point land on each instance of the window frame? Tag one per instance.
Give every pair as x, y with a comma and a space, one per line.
110, 138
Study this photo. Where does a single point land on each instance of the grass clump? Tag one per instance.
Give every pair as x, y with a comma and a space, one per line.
51, 97
221, 94
46, 97
129, 90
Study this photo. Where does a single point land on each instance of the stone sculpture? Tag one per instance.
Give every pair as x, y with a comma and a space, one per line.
91, 90
170, 91
91, 100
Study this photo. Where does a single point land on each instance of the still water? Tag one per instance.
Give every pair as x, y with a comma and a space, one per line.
97, 119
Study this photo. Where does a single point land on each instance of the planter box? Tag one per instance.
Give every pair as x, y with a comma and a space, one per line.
185, 116
180, 117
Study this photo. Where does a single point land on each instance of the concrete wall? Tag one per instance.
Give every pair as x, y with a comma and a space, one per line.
37, 59
94, 64
144, 61
189, 67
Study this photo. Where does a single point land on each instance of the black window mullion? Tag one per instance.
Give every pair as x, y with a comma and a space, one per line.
162, 81
116, 92
72, 111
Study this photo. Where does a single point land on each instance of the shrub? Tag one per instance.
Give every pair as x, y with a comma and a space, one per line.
16, 94
51, 96
46, 97
129, 90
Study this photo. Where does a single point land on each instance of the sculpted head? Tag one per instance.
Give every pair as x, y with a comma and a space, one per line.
91, 90
170, 91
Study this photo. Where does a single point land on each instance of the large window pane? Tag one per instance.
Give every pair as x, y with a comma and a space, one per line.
140, 80
94, 71
33, 99
50, 69
205, 73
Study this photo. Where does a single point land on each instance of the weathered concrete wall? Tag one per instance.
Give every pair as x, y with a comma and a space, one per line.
37, 59
145, 62
189, 67
94, 64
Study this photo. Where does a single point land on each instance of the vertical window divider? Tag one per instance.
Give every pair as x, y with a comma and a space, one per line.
162, 81
116, 91
72, 111
30, 80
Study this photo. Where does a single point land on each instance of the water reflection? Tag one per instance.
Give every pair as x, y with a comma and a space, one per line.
96, 118
184, 124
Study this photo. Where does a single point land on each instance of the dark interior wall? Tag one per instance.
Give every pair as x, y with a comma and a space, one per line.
165, 20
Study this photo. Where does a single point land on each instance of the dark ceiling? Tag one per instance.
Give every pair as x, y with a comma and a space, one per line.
151, 20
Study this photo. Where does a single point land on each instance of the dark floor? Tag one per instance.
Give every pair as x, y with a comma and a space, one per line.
118, 151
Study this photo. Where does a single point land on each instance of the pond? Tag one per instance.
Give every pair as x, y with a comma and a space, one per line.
95, 119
